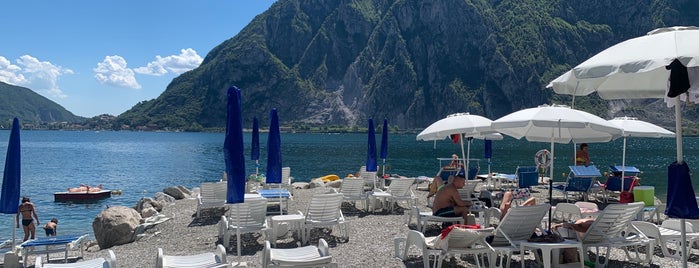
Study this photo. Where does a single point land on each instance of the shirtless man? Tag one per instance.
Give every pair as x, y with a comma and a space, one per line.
448, 203
27, 210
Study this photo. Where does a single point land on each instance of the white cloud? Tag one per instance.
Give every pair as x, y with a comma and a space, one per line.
32, 73
187, 59
113, 71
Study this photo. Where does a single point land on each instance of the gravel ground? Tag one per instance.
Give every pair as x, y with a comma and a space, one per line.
370, 243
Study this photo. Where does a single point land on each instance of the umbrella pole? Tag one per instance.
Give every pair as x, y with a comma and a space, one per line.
463, 153
678, 135
551, 180
623, 166
468, 160
257, 167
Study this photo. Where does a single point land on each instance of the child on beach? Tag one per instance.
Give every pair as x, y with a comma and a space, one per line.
50, 227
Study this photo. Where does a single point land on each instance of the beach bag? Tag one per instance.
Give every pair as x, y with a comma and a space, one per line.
626, 197
546, 237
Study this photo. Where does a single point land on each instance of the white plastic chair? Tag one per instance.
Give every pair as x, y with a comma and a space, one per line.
353, 190
611, 229
518, 225
668, 234
286, 181
417, 239
308, 256
204, 260
369, 178
247, 217
110, 262
566, 212
211, 194
424, 217
400, 191
464, 242
466, 192
324, 211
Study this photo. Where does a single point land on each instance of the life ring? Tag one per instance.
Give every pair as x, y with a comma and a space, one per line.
543, 158
331, 177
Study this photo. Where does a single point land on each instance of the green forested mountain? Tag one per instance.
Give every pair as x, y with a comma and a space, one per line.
30, 107
413, 62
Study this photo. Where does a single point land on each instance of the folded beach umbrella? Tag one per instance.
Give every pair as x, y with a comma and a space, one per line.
12, 177
371, 164
384, 144
255, 147
661, 64
274, 150
233, 150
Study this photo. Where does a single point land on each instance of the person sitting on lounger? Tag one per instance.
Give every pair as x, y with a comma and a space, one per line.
448, 203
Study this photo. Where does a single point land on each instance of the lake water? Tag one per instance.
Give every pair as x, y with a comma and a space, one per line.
143, 163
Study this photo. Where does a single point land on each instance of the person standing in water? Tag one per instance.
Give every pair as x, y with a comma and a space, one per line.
27, 210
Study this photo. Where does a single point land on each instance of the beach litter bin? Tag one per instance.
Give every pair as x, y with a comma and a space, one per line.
645, 194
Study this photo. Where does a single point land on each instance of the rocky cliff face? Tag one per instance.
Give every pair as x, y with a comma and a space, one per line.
413, 62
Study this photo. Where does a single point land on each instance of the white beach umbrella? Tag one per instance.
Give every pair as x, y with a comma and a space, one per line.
661, 64
632, 127
556, 124
465, 124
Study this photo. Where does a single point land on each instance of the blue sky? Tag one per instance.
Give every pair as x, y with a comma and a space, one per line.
96, 57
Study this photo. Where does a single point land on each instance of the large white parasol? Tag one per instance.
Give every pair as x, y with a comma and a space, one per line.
661, 64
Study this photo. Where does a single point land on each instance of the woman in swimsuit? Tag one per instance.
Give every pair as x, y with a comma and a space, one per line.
27, 210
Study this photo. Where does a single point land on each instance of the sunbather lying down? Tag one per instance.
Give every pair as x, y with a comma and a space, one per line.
85, 188
506, 203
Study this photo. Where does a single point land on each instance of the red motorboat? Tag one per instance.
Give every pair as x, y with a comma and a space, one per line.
82, 195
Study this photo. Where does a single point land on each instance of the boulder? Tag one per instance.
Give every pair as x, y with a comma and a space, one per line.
175, 192
115, 226
300, 185
315, 183
148, 202
334, 184
148, 212
185, 190
163, 197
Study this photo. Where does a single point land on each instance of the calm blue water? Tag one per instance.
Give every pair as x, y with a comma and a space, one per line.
143, 163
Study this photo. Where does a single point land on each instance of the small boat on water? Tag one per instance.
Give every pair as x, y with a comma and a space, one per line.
83, 192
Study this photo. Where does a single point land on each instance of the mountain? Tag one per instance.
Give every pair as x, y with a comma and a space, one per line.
413, 62
30, 107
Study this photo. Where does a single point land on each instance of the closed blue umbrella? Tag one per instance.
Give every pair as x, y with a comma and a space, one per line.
384, 144
371, 148
274, 150
9, 198
255, 148
233, 151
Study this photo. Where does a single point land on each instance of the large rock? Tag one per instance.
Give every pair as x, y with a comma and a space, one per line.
163, 197
148, 202
184, 190
334, 184
175, 192
115, 226
315, 183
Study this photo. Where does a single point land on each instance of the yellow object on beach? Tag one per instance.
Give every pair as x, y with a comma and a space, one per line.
331, 177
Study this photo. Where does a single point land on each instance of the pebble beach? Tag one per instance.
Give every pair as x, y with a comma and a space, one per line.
371, 241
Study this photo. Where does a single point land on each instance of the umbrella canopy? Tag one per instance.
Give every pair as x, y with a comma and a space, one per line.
274, 150
9, 198
665, 62
556, 124
465, 124
371, 148
635, 68
233, 150
632, 127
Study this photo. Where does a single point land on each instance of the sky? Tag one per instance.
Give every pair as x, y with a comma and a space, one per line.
103, 57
